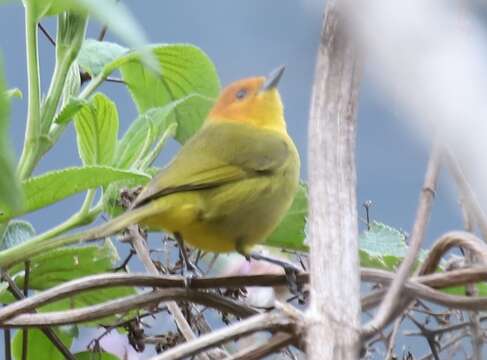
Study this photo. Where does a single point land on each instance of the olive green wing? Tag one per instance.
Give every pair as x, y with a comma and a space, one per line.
218, 154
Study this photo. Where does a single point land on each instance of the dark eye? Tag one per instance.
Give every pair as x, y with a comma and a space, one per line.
241, 94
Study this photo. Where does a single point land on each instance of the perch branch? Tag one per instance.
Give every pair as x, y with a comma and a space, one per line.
260, 322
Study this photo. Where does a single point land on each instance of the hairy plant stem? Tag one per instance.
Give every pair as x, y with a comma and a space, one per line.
55, 89
33, 126
85, 215
49, 240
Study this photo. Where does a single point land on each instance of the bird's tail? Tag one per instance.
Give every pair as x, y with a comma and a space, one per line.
35, 246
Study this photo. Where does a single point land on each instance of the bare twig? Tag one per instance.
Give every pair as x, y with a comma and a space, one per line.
334, 311
467, 194
266, 321
449, 240
46, 34
470, 289
392, 338
124, 304
50, 334
25, 332
436, 280
389, 304
259, 351
429, 336
103, 30
6, 344
446, 345
139, 244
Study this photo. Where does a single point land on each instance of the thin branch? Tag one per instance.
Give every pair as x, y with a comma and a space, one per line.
467, 193
446, 345
388, 305
260, 322
392, 338
73, 287
25, 332
259, 351
50, 334
121, 305
139, 244
449, 240
436, 280
103, 30
46, 34
470, 289
7, 344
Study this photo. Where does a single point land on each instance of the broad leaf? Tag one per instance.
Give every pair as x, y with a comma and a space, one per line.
10, 196
72, 107
95, 55
184, 70
97, 130
53, 186
144, 132
17, 232
39, 346
290, 234
382, 246
60, 265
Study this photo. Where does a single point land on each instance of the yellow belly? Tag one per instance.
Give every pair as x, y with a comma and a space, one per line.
228, 218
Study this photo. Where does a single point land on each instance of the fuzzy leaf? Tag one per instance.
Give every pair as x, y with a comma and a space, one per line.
17, 232
96, 126
95, 55
53, 186
184, 70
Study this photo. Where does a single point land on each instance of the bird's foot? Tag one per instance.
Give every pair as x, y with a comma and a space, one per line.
290, 269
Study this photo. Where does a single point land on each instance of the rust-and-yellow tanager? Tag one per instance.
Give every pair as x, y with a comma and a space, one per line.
231, 184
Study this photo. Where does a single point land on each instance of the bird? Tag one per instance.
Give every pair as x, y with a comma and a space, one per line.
230, 185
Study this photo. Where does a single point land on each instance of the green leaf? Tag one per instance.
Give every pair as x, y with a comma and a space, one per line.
17, 232
382, 246
15, 92
60, 265
146, 130
90, 355
72, 83
290, 234
3, 288
39, 346
69, 110
53, 186
95, 55
184, 70
97, 130
10, 196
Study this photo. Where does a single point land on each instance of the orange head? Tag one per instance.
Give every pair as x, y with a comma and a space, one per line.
254, 101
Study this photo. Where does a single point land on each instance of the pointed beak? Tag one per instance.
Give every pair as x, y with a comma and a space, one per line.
273, 79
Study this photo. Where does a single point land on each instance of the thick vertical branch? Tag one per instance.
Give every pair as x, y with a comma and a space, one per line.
334, 313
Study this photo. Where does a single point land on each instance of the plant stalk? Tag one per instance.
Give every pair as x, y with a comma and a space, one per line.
33, 127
